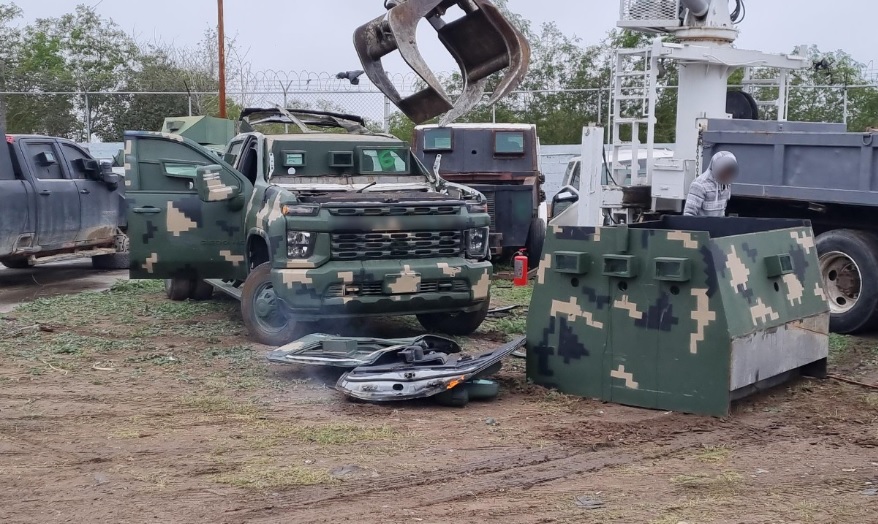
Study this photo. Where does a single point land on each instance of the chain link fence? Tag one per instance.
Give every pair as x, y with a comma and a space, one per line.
93, 111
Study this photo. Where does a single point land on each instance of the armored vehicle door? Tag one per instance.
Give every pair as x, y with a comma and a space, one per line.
185, 210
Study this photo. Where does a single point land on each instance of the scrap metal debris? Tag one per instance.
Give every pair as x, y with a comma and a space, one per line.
410, 373
348, 352
500, 312
587, 502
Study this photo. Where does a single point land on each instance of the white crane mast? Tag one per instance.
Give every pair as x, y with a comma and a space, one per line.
704, 31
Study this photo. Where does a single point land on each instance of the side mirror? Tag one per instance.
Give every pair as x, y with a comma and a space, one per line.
568, 195
563, 200
104, 173
213, 187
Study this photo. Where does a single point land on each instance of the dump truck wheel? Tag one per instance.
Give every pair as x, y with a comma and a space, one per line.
263, 315
178, 289
535, 241
17, 263
849, 269
201, 291
458, 324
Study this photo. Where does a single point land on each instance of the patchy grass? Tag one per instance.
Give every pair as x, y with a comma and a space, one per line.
838, 346
714, 454
726, 483
333, 434
265, 475
505, 294
220, 405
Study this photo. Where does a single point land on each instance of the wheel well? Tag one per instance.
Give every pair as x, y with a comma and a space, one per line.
257, 252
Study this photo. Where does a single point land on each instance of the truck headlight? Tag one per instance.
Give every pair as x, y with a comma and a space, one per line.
477, 242
300, 244
477, 207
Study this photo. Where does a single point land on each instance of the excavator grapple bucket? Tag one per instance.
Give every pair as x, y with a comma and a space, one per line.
482, 41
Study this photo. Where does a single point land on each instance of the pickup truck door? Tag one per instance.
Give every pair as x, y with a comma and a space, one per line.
100, 203
57, 200
16, 202
176, 230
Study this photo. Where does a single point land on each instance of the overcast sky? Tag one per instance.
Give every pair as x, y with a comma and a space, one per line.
315, 35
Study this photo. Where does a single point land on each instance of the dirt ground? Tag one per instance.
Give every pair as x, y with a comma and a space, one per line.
124, 407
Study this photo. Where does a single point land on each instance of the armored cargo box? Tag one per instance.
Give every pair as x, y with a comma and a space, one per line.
685, 314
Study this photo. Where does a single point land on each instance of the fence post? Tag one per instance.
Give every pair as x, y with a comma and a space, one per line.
388, 111
845, 94
600, 106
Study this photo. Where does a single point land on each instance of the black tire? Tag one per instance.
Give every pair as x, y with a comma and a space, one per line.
111, 262
265, 321
17, 263
459, 324
482, 389
849, 268
201, 291
536, 239
178, 289
455, 398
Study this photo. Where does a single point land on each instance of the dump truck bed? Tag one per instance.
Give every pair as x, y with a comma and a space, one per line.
812, 162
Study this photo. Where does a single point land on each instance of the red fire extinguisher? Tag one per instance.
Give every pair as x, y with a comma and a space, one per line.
521, 269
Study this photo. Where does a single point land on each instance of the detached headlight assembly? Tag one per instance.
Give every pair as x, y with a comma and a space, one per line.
477, 242
300, 244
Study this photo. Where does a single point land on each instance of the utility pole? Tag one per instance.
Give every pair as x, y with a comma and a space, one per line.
221, 31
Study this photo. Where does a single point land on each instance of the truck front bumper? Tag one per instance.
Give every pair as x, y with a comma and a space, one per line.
383, 287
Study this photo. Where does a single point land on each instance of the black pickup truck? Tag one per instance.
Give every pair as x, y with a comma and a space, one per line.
58, 202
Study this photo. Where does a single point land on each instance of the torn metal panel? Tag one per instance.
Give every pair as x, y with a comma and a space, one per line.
408, 375
345, 352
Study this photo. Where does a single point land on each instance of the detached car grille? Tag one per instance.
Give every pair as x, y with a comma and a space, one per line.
366, 289
394, 246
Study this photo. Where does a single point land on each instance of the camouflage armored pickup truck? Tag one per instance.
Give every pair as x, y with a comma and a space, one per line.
315, 225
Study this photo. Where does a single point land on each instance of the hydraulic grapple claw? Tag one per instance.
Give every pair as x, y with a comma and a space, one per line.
398, 31
483, 42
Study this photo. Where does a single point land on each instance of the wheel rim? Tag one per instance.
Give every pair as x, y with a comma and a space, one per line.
266, 311
841, 279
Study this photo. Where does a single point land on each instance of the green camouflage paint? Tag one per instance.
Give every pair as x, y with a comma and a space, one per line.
683, 314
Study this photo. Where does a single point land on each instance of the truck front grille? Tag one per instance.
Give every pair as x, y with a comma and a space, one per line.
395, 246
366, 289
396, 210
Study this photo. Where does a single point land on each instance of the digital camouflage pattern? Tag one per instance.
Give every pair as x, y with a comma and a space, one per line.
396, 248
685, 314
